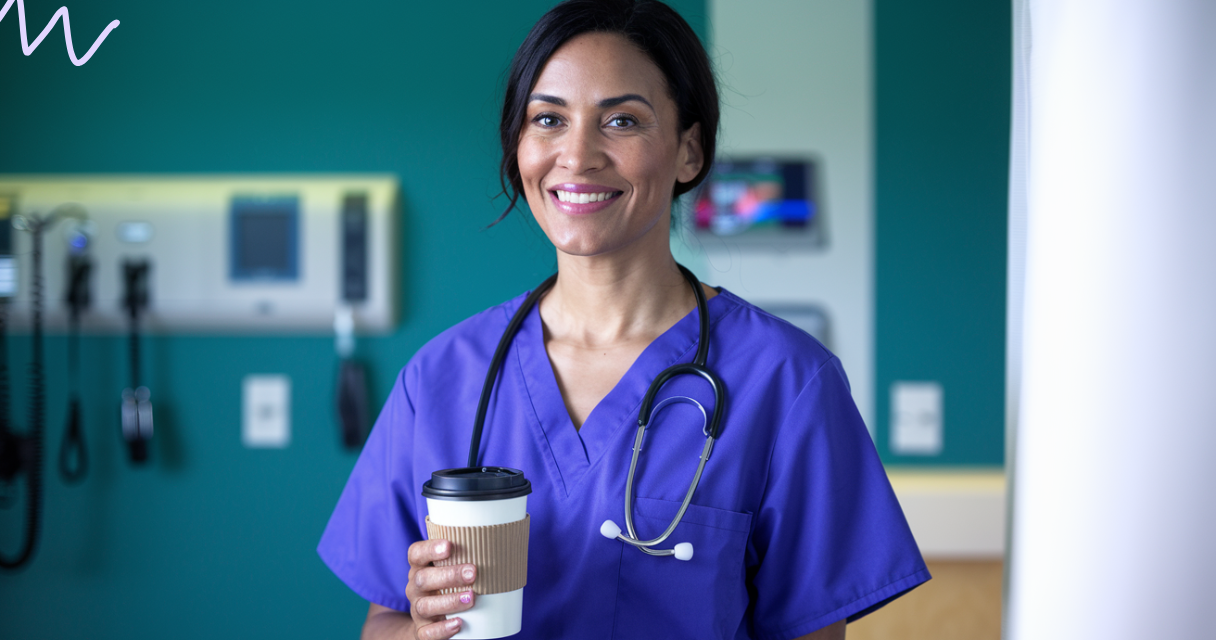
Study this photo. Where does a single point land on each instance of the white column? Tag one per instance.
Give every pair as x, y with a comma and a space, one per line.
1114, 466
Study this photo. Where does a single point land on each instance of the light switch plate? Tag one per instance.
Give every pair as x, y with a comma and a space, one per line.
266, 414
916, 418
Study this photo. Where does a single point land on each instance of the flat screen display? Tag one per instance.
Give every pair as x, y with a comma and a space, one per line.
762, 196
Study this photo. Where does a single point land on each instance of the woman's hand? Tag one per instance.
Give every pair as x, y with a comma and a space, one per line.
427, 606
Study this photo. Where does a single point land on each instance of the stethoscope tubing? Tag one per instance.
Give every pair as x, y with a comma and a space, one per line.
632, 538
679, 369
696, 367
500, 353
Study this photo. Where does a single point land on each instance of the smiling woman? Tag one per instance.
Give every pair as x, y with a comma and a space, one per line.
610, 113
601, 148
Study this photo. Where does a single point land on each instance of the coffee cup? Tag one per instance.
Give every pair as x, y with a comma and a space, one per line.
483, 512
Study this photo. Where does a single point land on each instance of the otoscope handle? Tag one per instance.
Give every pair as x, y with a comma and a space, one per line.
136, 400
135, 289
137, 422
73, 456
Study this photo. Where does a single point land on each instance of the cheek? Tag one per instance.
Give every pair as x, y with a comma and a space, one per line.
656, 166
531, 159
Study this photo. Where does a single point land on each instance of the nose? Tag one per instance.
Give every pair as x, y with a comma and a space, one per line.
582, 150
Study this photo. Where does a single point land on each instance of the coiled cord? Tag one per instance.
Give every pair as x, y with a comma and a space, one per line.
9, 444
37, 410
4, 417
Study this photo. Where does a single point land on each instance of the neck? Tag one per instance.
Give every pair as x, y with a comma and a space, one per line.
604, 300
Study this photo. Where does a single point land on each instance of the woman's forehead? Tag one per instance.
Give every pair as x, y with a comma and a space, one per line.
594, 66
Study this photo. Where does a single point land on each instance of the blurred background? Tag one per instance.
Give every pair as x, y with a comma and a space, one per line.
894, 116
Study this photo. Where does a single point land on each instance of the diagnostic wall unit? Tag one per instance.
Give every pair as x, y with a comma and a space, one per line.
242, 253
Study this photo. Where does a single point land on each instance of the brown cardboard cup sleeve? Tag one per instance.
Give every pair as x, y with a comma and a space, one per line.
499, 551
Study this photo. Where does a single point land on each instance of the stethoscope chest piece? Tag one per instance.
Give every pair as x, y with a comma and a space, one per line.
612, 531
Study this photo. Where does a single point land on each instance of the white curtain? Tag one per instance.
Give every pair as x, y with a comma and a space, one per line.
1112, 348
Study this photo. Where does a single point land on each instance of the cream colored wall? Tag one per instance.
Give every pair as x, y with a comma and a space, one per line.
955, 515
796, 80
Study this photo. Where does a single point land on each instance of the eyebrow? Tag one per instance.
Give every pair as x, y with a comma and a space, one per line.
606, 103
544, 97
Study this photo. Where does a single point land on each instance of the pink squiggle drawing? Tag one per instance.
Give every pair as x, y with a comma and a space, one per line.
28, 48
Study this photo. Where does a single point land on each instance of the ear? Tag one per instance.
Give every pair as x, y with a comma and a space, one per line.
691, 156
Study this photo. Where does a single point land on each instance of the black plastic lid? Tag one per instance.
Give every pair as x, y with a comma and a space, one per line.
477, 483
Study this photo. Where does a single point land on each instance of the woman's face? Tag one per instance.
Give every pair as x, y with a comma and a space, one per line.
601, 147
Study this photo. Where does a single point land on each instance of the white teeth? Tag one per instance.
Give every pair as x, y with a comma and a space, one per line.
582, 198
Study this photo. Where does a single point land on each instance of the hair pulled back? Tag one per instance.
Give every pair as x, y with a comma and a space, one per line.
654, 28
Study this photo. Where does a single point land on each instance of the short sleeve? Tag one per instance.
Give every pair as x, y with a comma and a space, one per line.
830, 539
369, 533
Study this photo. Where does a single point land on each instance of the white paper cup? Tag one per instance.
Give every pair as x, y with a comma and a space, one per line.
483, 511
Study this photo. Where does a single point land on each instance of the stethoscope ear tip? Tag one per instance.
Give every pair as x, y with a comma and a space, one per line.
610, 530
683, 551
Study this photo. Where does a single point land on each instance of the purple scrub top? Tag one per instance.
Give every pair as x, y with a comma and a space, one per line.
794, 524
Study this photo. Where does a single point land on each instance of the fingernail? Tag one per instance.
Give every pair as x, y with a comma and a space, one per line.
468, 574
441, 547
466, 597
453, 624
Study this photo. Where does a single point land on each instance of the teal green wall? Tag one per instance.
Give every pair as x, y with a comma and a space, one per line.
942, 95
213, 540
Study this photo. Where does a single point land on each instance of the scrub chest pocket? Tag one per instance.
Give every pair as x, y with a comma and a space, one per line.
713, 583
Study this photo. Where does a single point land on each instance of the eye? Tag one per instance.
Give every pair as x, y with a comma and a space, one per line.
622, 121
547, 120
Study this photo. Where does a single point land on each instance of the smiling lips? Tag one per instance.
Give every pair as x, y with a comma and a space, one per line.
582, 199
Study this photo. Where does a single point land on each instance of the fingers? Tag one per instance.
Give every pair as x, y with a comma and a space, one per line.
439, 578
438, 630
427, 606
433, 608
424, 552
444, 605
425, 578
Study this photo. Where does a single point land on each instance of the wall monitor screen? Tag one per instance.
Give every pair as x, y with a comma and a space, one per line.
265, 238
762, 198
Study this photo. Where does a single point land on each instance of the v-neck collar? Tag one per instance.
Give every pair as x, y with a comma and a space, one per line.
575, 452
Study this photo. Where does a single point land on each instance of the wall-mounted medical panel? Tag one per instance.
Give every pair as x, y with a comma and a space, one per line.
217, 253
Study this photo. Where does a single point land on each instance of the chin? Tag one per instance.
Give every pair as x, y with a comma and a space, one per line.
577, 239
594, 236
584, 248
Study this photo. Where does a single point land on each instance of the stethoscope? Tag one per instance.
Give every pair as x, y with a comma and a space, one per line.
610, 530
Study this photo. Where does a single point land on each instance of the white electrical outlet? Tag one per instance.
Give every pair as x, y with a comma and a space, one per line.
266, 414
916, 418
